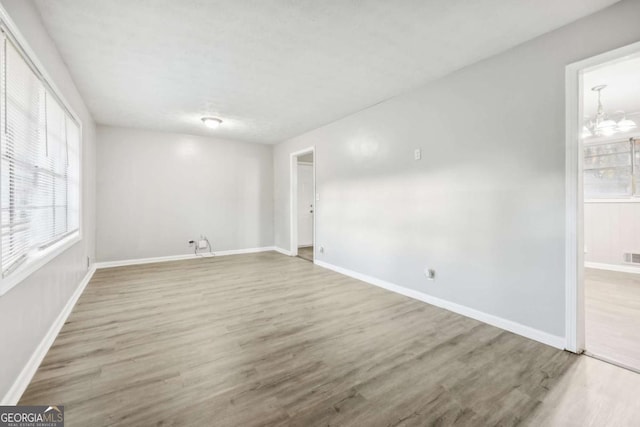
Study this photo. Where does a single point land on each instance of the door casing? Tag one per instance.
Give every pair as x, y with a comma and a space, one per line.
574, 202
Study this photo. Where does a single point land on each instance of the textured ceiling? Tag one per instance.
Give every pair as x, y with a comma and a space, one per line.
273, 69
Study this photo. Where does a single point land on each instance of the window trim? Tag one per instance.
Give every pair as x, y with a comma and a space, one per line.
633, 199
34, 263
44, 256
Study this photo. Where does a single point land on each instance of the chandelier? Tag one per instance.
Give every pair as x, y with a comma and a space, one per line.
603, 124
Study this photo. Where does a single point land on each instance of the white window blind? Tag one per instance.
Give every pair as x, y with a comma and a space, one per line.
39, 148
612, 169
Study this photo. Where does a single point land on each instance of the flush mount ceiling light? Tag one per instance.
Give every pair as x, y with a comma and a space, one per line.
602, 124
211, 122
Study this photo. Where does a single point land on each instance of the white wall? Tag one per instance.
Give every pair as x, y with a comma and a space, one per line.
485, 207
610, 230
29, 309
158, 190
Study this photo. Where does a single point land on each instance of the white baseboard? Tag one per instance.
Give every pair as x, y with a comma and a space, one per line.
516, 328
613, 267
125, 262
26, 375
282, 251
245, 251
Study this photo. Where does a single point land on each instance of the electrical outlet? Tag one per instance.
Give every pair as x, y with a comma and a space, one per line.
430, 273
417, 154
88, 262
321, 249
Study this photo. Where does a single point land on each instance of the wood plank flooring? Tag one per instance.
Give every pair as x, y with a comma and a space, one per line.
591, 393
266, 339
612, 316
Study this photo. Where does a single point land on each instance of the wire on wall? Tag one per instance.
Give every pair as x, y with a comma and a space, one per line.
202, 252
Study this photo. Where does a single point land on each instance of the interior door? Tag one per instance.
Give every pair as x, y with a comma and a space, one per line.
305, 205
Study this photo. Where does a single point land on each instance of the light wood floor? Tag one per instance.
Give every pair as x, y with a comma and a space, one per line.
612, 316
306, 253
591, 393
266, 339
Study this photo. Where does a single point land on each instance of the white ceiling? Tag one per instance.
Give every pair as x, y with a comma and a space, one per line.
623, 87
273, 69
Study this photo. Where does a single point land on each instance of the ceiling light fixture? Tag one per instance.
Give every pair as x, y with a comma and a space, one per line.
625, 125
211, 122
602, 124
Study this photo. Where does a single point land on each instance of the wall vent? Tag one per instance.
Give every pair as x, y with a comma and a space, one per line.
631, 258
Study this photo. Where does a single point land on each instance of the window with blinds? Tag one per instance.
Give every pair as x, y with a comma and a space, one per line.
612, 169
39, 165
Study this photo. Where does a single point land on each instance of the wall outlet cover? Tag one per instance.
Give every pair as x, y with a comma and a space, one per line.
430, 273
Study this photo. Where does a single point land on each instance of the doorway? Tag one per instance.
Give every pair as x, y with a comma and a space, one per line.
603, 207
303, 204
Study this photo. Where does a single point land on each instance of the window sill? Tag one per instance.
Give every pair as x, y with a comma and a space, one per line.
33, 264
627, 200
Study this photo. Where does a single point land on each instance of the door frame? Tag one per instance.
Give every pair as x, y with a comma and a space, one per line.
574, 220
293, 199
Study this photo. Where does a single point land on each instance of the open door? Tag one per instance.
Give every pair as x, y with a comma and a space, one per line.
305, 209
303, 201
